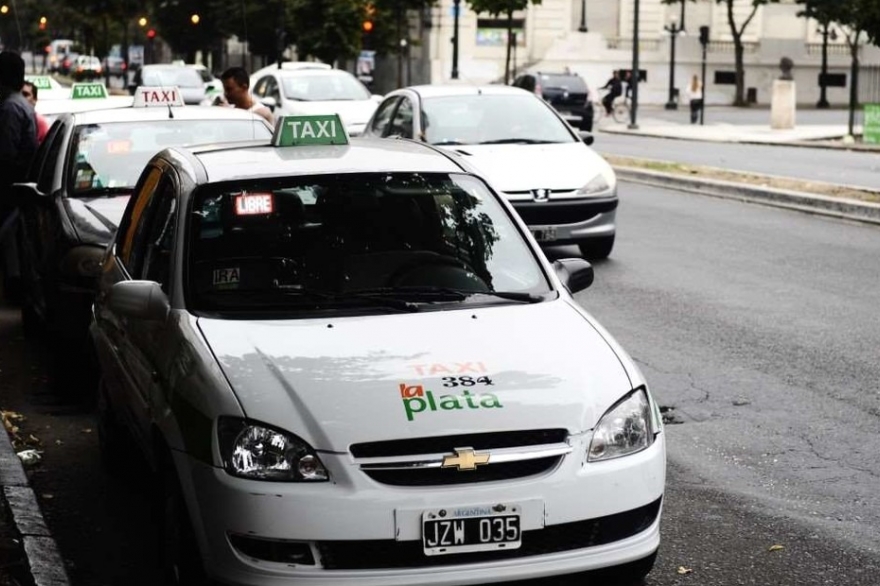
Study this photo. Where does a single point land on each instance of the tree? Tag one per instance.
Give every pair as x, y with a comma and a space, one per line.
857, 17
507, 8
737, 31
824, 12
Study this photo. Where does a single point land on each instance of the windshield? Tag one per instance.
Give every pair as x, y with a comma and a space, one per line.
112, 155
171, 76
321, 87
297, 244
477, 119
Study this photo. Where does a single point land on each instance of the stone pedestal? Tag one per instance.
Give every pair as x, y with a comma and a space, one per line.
783, 105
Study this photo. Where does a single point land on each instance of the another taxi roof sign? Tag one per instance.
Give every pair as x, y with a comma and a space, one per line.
41, 82
87, 91
147, 96
309, 130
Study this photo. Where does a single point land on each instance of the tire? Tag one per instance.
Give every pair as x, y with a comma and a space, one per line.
597, 248
179, 557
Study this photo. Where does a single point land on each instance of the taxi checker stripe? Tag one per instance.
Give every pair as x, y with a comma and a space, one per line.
496, 456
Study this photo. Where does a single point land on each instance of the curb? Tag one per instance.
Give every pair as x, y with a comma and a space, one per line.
842, 208
43, 557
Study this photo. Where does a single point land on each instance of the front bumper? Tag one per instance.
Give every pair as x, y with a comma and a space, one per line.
565, 221
364, 533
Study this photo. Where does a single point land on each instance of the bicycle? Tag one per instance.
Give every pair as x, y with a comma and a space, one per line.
620, 109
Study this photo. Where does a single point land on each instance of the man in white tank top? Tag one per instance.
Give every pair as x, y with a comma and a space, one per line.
236, 88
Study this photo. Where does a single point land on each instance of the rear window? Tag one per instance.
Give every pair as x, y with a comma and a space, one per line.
112, 156
289, 243
172, 76
572, 83
324, 87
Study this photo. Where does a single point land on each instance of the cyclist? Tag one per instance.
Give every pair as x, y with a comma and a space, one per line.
615, 88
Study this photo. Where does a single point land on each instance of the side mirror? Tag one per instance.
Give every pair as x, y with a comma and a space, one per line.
269, 102
139, 299
575, 273
377, 98
25, 194
587, 137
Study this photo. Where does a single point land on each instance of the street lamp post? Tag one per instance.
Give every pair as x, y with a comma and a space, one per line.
583, 27
704, 41
455, 10
683, 3
823, 76
673, 30
634, 78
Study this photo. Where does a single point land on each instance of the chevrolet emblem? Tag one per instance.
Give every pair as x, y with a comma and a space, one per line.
465, 459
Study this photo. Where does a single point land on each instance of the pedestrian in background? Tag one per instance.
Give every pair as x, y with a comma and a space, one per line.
615, 89
694, 95
236, 89
18, 143
29, 91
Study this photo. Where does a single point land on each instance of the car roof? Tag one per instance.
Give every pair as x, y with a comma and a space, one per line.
311, 72
361, 155
442, 90
292, 66
161, 113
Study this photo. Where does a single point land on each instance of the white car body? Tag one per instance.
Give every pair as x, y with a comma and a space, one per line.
347, 385
354, 112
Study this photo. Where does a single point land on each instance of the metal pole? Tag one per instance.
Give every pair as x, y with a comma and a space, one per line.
703, 87
456, 8
823, 77
583, 27
673, 32
634, 78
682, 14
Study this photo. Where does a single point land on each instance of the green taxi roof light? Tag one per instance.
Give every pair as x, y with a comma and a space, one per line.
291, 131
86, 91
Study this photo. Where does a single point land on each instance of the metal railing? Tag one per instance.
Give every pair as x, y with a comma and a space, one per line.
728, 46
626, 44
835, 49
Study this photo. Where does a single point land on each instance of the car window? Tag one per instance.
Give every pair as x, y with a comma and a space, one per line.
321, 87
475, 119
254, 245
112, 155
184, 77
153, 250
402, 124
134, 215
383, 116
42, 171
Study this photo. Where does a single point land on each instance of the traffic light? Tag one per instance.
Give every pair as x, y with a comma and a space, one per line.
195, 18
151, 34
367, 26
704, 35
43, 23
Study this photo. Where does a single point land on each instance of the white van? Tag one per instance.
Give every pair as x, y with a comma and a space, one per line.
58, 49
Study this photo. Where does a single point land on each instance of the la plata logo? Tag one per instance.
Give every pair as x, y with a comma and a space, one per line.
418, 400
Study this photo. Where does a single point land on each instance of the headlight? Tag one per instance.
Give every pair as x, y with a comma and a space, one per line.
597, 184
625, 429
254, 450
82, 261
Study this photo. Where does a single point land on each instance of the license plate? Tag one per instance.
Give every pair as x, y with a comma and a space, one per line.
544, 234
469, 529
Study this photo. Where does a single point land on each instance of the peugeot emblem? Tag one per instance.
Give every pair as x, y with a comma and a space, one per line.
541, 194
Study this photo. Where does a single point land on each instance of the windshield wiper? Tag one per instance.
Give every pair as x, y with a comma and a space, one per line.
318, 297
514, 296
449, 294
519, 141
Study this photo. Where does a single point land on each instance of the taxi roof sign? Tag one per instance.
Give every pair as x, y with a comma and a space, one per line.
309, 130
87, 91
41, 82
148, 96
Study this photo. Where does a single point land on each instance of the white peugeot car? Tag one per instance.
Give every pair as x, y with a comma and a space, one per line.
326, 349
564, 191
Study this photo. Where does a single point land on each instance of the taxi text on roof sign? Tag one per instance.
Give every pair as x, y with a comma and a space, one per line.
147, 96
41, 82
84, 91
309, 130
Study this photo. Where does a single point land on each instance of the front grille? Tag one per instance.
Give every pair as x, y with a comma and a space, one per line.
446, 444
388, 553
441, 476
562, 211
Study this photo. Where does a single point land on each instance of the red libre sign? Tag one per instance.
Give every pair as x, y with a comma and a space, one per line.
251, 204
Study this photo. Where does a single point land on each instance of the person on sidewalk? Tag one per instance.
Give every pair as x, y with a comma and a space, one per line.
29, 91
18, 143
615, 89
236, 88
694, 95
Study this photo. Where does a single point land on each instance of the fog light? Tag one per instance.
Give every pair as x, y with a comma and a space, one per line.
273, 550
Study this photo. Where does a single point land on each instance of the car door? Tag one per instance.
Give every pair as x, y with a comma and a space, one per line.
141, 252
382, 118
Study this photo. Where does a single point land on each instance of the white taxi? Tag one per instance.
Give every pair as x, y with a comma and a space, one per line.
326, 350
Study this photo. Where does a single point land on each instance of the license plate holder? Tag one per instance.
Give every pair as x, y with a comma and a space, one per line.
545, 234
471, 529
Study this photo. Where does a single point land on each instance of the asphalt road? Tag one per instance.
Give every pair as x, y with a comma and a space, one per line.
859, 169
756, 327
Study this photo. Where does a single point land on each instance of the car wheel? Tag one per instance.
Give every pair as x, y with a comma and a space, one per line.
117, 449
180, 560
597, 248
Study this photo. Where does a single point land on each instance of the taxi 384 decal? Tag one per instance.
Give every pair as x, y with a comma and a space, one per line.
417, 399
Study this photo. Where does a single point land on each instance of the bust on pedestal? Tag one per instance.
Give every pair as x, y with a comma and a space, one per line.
784, 100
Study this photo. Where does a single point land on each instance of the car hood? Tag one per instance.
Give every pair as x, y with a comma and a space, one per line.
523, 167
95, 220
339, 381
352, 112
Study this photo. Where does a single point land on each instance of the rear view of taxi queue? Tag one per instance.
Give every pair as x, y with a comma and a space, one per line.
18, 143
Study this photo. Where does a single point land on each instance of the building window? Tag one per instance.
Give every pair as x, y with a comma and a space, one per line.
492, 32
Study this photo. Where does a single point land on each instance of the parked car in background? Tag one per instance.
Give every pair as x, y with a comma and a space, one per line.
304, 88
566, 92
114, 65
86, 68
66, 63
563, 190
186, 79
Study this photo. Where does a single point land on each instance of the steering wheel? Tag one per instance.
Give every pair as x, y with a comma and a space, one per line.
437, 271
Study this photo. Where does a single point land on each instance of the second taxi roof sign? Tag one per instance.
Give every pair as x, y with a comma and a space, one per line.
309, 130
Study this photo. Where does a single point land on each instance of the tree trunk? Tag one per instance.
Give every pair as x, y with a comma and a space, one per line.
738, 51
509, 44
854, 85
